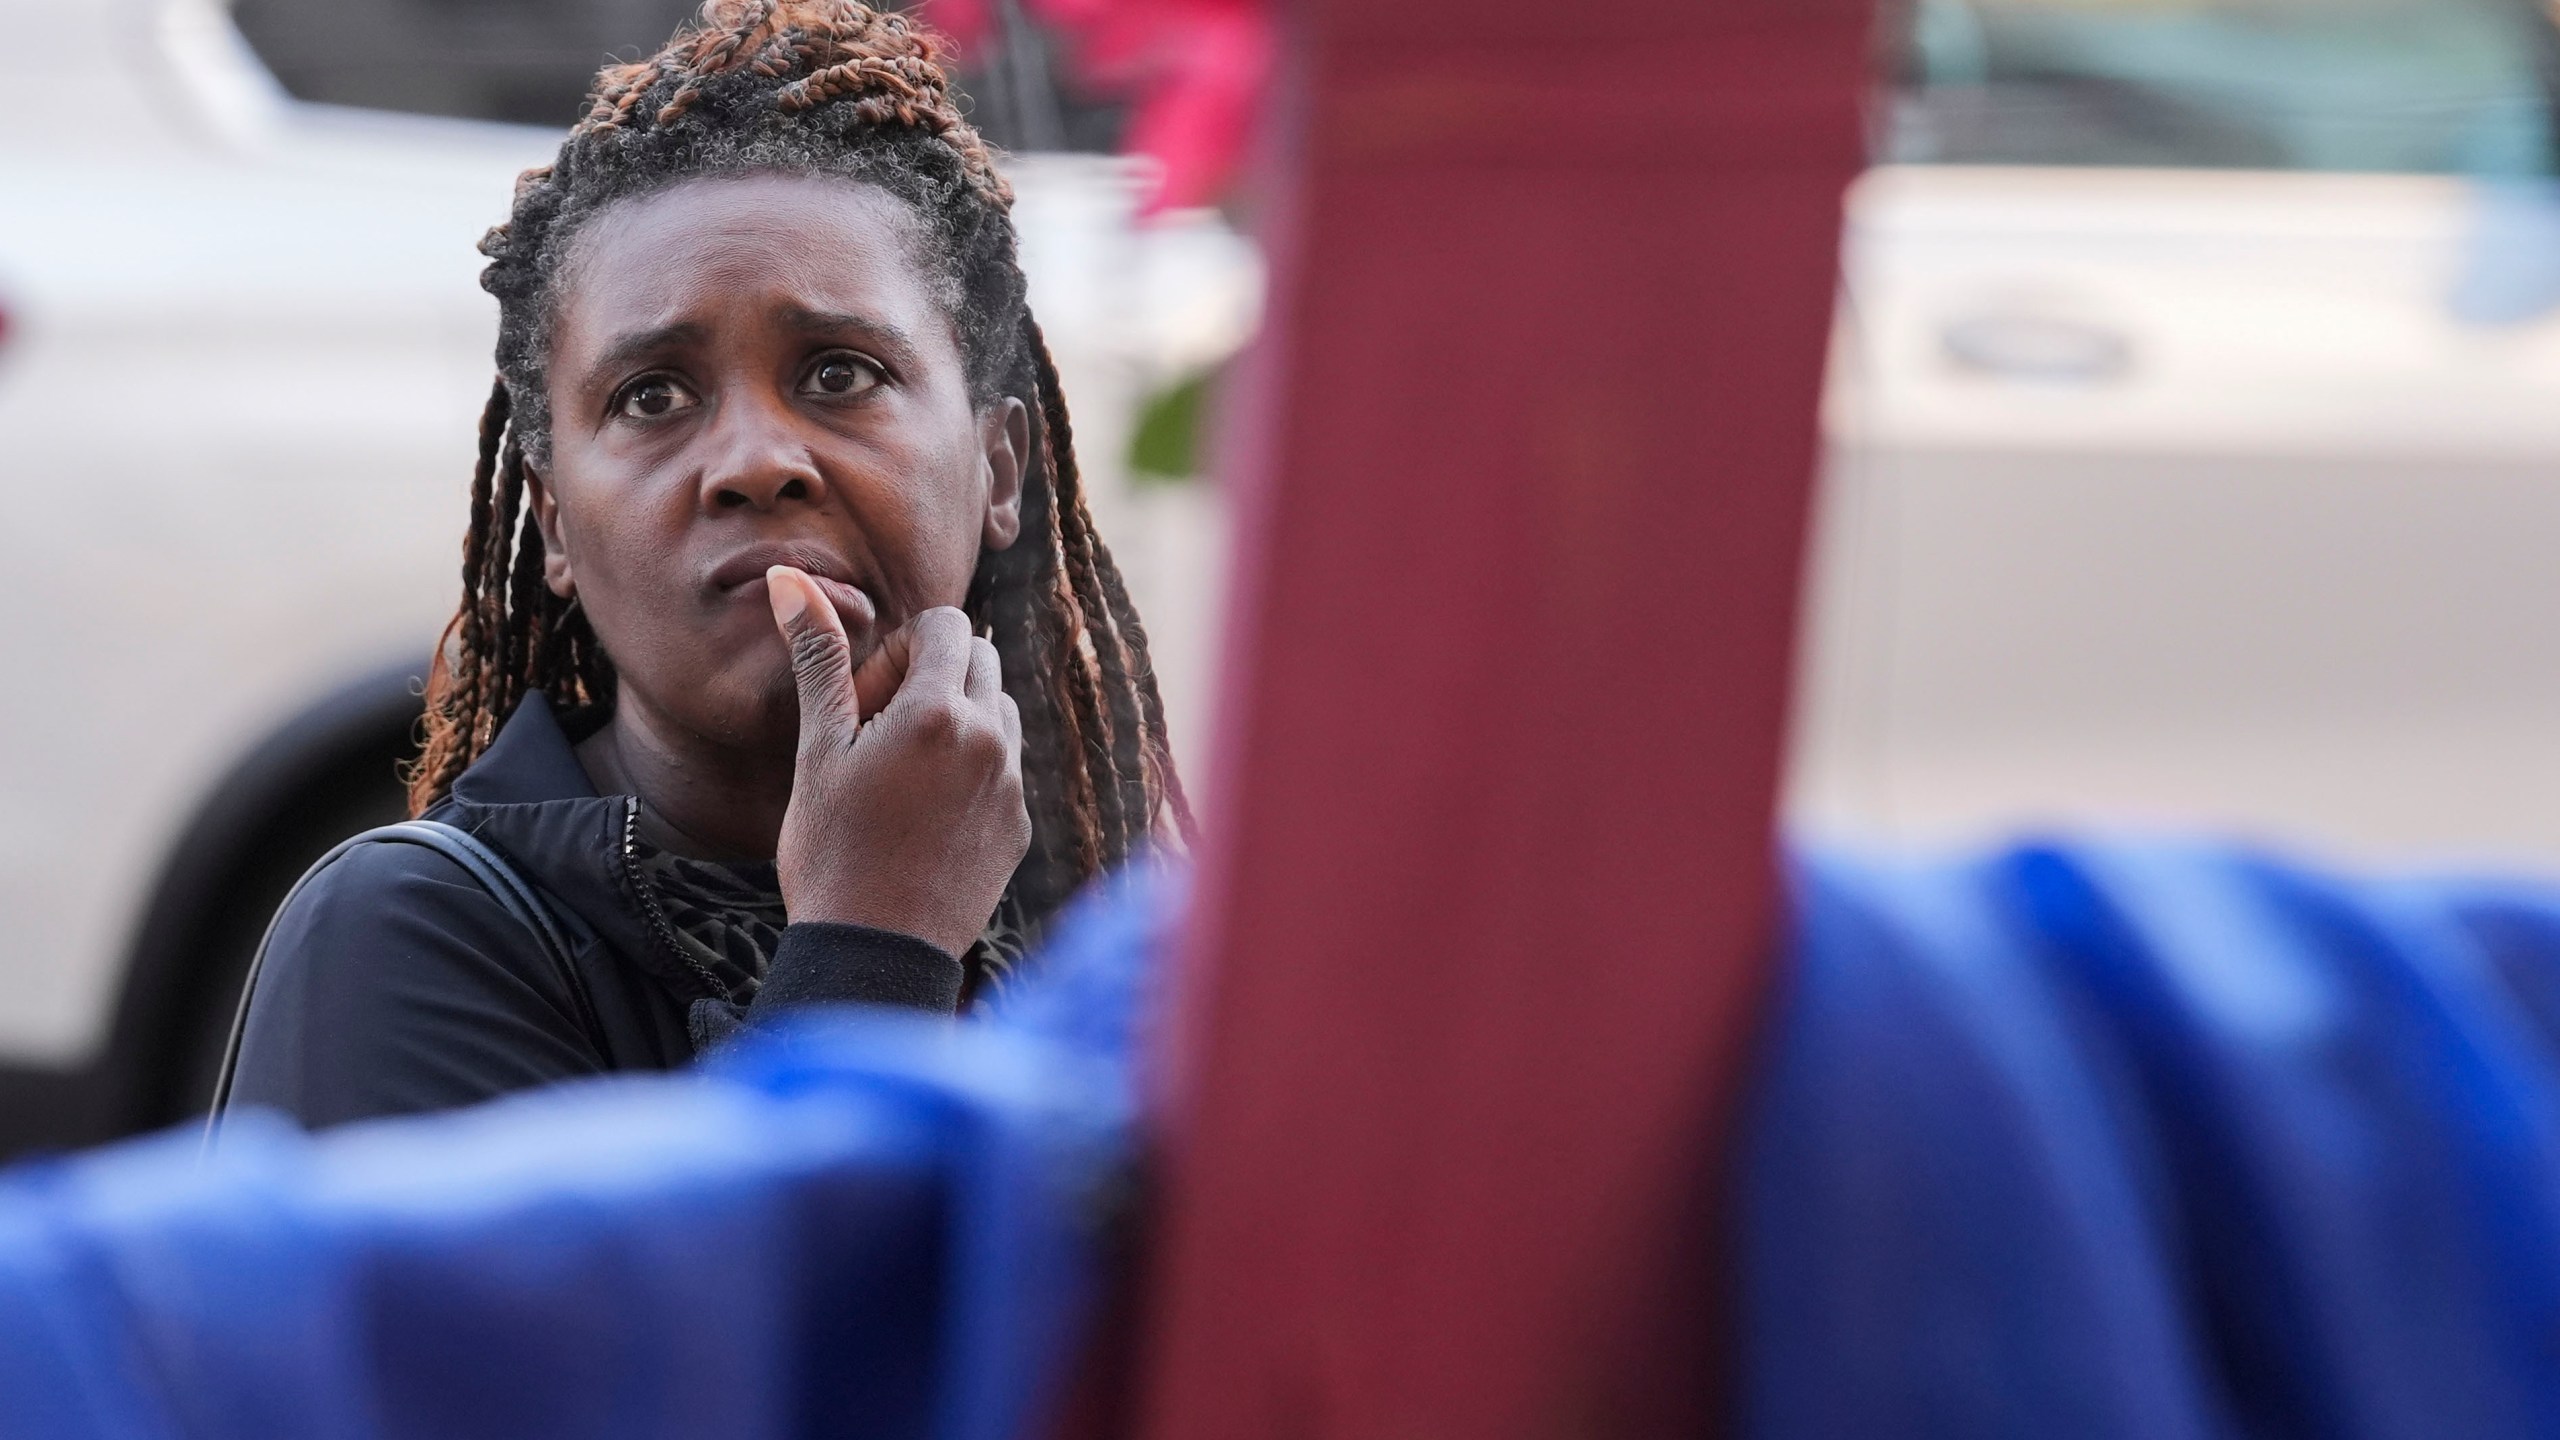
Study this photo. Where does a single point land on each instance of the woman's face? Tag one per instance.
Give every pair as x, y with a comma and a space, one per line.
747, 372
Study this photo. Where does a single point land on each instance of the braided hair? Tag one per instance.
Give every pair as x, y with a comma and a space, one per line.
825, 88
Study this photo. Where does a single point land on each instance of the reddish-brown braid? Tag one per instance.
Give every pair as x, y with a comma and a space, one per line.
835, 88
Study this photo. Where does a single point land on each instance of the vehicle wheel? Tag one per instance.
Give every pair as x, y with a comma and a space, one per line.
339, 806
332, 773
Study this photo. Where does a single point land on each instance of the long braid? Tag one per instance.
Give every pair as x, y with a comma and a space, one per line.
1124, 732
526, 617
455, 676
1163, 783
501, 682
1013, 600
827, 88
1088, 721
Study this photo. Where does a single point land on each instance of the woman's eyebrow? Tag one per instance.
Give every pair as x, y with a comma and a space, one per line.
895, 345
619, 355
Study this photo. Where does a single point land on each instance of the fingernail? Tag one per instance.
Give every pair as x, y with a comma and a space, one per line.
787, 596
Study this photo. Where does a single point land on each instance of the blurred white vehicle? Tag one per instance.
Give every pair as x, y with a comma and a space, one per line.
2181, 474
242, 358
2196, 422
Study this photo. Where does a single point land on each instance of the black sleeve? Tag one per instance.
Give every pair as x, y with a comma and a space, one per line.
819, 963
394, 984
824, 964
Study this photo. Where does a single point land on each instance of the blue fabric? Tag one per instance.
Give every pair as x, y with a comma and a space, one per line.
862, 1224
2155, 1141
2084, 1140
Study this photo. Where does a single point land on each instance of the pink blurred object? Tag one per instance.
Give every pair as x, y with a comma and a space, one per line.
1197, 69
1212, 62
969, 23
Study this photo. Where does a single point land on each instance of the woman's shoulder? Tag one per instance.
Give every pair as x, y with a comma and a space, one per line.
394, 981
380, 860
383, 897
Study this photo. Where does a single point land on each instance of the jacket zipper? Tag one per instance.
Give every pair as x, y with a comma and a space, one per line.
659, 928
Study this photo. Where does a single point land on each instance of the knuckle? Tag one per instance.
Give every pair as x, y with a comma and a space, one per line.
942, 722
987, 746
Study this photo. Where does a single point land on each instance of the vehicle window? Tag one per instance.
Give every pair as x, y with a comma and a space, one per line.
520, 60
2441, 86
529, 61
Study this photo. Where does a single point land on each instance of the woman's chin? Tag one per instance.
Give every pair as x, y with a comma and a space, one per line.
751, 712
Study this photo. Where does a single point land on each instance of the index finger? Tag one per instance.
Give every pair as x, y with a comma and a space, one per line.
986, 671
938, 653
877, 678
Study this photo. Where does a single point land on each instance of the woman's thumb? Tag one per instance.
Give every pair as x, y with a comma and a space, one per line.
821, 656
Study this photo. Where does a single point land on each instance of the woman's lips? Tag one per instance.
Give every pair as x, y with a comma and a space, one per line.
852, 606
741, 578
748, 566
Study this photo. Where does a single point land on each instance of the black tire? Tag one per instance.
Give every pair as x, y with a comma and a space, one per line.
334, 808
331, 773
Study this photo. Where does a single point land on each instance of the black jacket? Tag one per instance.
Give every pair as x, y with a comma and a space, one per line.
394, 983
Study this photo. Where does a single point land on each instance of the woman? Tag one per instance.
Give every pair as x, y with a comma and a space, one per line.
789, 667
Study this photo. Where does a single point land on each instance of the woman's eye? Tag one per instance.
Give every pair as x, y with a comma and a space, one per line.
651, 396
842, 373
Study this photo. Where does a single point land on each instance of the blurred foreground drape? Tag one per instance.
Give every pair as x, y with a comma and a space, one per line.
2156, 1141
864, 1225
2076, 1140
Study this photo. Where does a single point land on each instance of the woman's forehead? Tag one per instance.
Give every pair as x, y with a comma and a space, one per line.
746, 247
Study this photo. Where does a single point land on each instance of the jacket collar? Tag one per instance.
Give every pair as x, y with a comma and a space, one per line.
531, 761
528, 796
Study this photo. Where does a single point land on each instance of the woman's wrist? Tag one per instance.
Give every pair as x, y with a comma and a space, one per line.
825, 962
920, 911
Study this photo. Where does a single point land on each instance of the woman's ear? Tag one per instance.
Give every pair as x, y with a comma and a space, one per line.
1004, 448
546, 516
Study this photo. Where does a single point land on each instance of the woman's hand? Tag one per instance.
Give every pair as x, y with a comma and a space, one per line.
911, 818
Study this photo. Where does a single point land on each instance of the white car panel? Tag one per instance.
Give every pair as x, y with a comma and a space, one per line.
238, 404
2285, 568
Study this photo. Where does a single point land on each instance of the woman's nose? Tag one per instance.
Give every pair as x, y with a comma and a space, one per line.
757, 460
